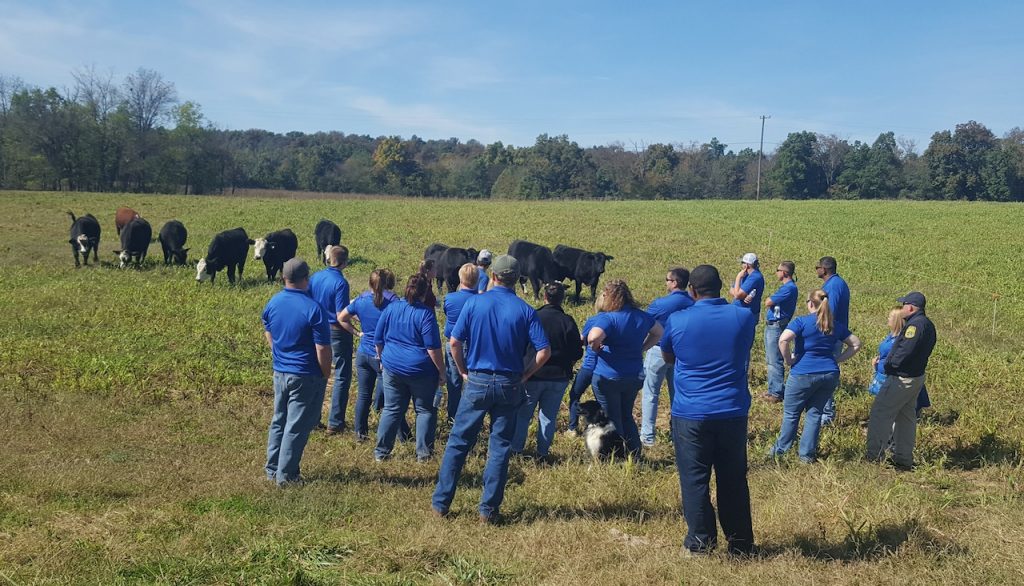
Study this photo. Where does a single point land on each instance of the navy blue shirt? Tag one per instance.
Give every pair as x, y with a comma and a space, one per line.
330, 289
755, 280
663, 307
406, 331
481, 280
785, 303
498, 327
838, 293
453, 304
368, 314
625, 330
711, 342
812, 348
296, 324
589, 356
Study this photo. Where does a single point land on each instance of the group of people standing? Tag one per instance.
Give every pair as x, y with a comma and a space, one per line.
502, 358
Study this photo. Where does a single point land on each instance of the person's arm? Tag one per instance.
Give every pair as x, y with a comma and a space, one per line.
345, 322
901, 350
538, 361
768, 302
852, 347
596, 338
460, 361
438, 360
323, 356
735, 291
270, 339
784, 340
653, 337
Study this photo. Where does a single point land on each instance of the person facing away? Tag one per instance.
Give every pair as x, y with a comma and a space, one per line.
585, 375
297, 330
483, 260
839, 303
330, 289
748, 287
453, 304
780, 308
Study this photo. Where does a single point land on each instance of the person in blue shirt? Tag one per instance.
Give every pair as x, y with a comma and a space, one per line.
366, 308
330, 289
839, 303
619, 337
813, 373
297, 330
585, 375
483, 260
709, 346
497, 328
409, 345
453, 304
655, 369
780, 308
748, 288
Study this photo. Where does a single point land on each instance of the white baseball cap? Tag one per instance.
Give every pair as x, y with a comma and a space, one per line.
484, 256
749, 258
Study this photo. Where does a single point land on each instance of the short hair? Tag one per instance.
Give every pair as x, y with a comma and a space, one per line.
706, 281
339, 255
468, 274
617, 295
554, 293
681, 275
788, 266
416, 288
828, 263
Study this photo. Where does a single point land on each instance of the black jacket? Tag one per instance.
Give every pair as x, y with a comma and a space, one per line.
909, 356
566, 347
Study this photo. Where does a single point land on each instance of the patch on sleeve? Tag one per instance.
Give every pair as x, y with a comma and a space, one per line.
911, 332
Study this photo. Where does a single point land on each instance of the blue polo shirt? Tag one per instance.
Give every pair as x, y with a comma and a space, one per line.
663, 307
498, 328
589, 356
296, 324
621, 357
812, 348
481, 280
407, 331
453, 304
368, 314
785, 303
754, 280
711, 342
838, 298
330, 288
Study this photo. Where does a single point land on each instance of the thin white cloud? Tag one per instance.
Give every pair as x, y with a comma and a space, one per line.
419, 118
462, 73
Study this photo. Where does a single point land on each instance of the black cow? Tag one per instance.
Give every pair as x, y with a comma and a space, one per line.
327, 233
275, 250
536, 263
172, 240
448, 263
228, 249
85, 236
135, 238
434, 251
581, 266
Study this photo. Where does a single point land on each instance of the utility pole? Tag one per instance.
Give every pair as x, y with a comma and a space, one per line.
760, 155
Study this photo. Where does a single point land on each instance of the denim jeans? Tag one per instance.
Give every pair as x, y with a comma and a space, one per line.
804, 392
500, 397
617, 397
773, 358
655, 371
454, 383
828, 414
579, 386
368, 380
341, 348
720, 444
398, 390
295, 414
548, 395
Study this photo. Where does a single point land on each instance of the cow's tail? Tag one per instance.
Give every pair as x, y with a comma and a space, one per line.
73, 218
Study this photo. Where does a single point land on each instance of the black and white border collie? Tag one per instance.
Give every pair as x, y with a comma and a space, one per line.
600, 437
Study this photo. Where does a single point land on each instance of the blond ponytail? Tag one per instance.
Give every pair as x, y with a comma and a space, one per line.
819, 301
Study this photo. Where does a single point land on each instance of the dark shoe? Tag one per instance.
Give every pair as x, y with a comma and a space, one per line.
770, 398
319, 426
439, 514
899, 467
488, 520
360, 438
334, 430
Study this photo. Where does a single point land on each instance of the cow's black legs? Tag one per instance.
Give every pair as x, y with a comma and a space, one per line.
535, 283
231, 273
241, 267
578, 287
95, 252
74, 251
593, 290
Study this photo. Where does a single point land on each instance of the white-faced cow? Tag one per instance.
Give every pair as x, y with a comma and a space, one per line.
123, 216
536, 264
85, 236
581, 266
275, 249
327, 233
172, 240
135, 238
228, 249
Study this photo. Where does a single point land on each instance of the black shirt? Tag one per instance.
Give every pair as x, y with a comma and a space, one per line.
909, 356
566, 347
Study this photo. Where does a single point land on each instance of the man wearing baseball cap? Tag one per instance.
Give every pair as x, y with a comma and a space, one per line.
483, 260
749, 284
905, 376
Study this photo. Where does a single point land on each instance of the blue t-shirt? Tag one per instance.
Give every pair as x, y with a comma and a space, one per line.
621, 356
330, 289
296, 324
813, 349
368, 314
589, 356
481, 280
754, 280
785, 303
498, 328
406, 331
663, 307
838, 298
453, 303
711, 342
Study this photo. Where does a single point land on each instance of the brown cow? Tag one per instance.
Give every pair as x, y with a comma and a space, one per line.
123, 216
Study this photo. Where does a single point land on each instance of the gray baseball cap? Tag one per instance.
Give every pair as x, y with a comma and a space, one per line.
295, 270
505, 265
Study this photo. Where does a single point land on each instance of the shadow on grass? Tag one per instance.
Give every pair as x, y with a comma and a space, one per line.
397, 473
621, 509
987, 450
867, 543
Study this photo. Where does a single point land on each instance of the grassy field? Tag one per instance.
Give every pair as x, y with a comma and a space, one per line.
135, 406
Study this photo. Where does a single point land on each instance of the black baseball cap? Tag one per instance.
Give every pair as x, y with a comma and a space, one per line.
915, 298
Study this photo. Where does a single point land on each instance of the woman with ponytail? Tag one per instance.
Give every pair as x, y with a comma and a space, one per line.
813, 375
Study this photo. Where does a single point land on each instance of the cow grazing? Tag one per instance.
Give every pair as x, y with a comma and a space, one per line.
123, 216
275, 250
581, 266
172, 239
85, 236
327, 233
135, 238
536, 264
448, 262
227, 250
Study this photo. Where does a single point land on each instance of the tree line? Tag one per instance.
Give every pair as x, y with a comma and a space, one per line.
136, 135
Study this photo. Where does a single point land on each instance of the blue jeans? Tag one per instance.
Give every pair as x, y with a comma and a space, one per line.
617, 397
295, 414
398, 390
700, 446
368, 381
454, 383
579, 386
341, 347
500, 397
773, 358
547, 394
828, 413
655, 371
804, 392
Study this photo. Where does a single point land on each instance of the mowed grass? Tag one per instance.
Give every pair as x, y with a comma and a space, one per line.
135, 406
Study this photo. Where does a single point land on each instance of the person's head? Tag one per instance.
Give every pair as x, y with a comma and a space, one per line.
416, 288
786, 270
705, 282
484, 258
817, 303
337, 256
617, 295
381, 280
468, 275
750, 261
554, 293
826, 267
896, 320
505, 270
599, 302
677, 279
295, 274
913, 302
428, 268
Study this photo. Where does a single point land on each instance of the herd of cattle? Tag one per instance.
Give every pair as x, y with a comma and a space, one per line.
230, 248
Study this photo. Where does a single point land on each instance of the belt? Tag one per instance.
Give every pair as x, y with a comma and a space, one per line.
777, 321
507, 373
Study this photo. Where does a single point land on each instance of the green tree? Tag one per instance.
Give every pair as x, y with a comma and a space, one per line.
796, 174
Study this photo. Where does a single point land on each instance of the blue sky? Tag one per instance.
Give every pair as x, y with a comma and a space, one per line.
601, 72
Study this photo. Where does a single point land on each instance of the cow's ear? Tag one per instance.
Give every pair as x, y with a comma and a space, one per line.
71, 240
609, 257
251, 242
185, 249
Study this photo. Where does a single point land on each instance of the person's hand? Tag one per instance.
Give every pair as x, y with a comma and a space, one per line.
359, 334
464, 375
748, 299
442, 382
874, 362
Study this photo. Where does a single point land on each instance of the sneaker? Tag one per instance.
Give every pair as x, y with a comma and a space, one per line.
647, 443
770, 398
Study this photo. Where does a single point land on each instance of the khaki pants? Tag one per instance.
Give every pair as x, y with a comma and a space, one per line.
895, 404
